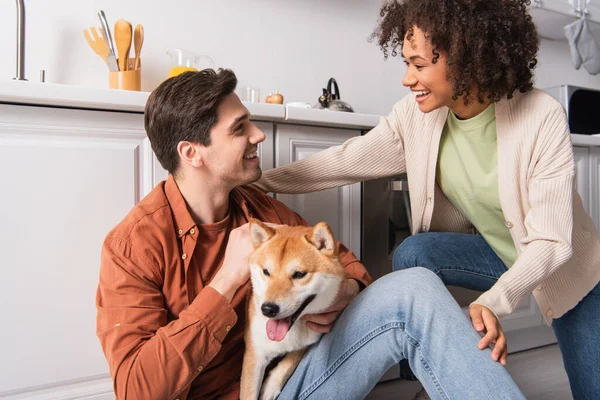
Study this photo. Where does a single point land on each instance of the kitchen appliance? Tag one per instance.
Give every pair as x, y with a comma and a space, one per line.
386, 222
582, 106
331, 100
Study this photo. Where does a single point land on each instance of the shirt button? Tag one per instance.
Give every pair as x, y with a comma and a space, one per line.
184, 256
538, 288
200, 368
549, 313
180, 231
228, 328
508, 224
423, 227
192, 231
430, 200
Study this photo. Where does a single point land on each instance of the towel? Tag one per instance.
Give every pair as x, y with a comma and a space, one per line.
583, 46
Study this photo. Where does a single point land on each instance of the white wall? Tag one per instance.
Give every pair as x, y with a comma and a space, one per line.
293, 46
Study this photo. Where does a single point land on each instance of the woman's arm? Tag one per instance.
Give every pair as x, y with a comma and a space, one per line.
377, 154
549, 220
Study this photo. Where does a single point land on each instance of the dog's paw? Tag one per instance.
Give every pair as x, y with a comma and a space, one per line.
270, 390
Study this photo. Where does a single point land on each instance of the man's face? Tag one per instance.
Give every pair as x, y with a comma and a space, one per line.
231, 159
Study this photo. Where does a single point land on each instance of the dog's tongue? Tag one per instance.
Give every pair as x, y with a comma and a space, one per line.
278, 328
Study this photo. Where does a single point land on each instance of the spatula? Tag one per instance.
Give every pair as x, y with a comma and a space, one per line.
138, 40
123, 34
99, 45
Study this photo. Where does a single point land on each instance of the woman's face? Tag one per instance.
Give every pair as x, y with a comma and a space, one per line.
426, 80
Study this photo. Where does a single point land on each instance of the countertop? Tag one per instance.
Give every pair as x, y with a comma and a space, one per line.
80, 97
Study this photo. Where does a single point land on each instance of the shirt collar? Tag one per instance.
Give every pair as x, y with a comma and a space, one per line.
183, 219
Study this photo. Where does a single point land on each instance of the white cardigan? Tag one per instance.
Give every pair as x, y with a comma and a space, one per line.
557, 243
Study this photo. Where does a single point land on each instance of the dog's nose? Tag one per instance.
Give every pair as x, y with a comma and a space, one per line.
270, 310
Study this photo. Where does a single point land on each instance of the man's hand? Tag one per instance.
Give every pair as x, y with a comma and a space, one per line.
323, 322
484, 320
235, 270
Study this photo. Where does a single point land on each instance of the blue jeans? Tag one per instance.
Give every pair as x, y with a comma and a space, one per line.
468, 261
404, 315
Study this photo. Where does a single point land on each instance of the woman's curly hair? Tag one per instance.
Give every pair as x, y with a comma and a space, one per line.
490, 44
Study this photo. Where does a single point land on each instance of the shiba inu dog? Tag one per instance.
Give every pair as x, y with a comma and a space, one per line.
294, 271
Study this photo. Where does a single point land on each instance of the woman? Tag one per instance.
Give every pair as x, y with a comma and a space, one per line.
484, 153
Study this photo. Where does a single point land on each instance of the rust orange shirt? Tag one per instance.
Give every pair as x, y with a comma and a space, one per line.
164, 332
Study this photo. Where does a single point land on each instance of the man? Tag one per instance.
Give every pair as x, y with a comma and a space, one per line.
174, 278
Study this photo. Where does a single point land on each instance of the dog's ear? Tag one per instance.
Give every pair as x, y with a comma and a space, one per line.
323, 239
259, 232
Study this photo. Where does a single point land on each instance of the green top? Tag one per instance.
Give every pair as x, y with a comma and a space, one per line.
467, 173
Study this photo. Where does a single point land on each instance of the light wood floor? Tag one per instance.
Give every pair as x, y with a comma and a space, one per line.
538, 372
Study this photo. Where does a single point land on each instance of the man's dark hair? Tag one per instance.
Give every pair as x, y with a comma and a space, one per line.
490, 44
184, 108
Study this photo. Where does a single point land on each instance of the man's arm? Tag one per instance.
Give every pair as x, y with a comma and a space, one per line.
149, 357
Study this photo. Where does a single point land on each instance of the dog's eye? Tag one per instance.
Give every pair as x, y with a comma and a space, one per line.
298, 275
266, 272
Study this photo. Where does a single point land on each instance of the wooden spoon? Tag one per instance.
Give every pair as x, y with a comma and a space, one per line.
123, 33
138, 40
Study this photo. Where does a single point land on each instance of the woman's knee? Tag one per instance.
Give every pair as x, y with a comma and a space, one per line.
416, 283
412, 252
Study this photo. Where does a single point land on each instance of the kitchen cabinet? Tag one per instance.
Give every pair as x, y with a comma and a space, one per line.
68, 176
339, 207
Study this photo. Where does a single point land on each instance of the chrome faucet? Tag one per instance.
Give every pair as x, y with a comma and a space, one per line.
20, 41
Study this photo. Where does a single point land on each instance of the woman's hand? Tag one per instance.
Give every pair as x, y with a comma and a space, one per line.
484, 320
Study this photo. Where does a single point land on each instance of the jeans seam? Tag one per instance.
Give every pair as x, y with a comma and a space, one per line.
368, 337
465, 271
426, 365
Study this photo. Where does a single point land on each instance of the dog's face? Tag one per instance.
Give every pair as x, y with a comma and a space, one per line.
294, 271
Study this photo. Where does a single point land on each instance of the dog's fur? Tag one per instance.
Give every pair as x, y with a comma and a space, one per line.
294, 271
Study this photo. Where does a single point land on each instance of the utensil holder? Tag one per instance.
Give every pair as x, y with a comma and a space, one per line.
126, 80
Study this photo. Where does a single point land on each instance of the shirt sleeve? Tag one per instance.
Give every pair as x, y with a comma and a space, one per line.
549, 220
148, 356
353, 267
378, 154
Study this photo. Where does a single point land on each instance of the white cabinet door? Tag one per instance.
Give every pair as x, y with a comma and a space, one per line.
594, 186
68, 177
265, 152
339, 207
